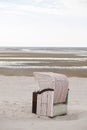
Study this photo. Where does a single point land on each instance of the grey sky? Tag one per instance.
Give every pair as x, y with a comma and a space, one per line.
43, 23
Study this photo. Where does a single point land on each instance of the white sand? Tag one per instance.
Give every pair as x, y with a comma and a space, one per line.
15, 106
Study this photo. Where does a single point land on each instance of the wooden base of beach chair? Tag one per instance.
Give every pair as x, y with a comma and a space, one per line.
43, 105
59, 109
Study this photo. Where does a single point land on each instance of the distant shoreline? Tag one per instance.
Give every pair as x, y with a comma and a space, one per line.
23, 61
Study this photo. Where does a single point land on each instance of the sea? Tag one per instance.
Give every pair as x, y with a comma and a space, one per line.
55, 59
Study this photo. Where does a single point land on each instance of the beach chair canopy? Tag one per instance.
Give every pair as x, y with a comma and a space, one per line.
55, 81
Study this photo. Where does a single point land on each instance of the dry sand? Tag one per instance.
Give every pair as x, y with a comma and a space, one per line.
15, 106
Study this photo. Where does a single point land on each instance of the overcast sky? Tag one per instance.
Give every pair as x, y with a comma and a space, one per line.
43, 23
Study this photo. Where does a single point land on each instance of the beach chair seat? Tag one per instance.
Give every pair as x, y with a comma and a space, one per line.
51, 99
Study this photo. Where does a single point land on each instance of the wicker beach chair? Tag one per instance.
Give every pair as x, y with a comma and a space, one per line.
51, 100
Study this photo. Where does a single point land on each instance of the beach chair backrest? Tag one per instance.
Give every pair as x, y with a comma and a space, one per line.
61, 88
58, 82
44, 80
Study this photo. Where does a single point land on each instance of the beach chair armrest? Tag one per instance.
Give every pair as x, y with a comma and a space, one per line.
45, 90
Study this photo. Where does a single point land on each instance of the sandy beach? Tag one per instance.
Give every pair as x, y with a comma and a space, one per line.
16, 105
17, 84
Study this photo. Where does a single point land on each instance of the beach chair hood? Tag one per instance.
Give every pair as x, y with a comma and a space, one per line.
57, 82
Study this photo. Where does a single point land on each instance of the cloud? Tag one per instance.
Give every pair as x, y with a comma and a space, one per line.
57, 7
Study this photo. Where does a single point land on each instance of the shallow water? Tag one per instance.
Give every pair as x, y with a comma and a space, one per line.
44, 58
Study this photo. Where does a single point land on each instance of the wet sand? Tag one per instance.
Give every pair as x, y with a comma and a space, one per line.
29, 72
51, 64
